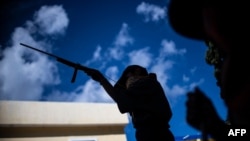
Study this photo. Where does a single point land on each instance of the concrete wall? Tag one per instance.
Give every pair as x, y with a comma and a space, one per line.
23, 120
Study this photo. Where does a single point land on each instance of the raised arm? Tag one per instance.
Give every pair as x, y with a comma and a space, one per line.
98, 76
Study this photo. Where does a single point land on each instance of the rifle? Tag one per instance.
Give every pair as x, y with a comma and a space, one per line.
76, 66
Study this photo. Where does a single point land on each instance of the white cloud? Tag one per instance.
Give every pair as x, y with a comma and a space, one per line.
194, 84
112, 73
164, 64
161, 68
24, 73
117, 49
185, 78
58, 95
193, 70
140, 57
169, 48
160, 63
97, 56
122, 40
97, 53
151, 12
52, 19
177, 90
92, 91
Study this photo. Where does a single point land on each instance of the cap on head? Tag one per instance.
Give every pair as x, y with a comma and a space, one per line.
185, 17
135, 69
139, 70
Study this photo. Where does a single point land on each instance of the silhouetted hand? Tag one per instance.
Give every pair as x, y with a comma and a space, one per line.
94, 74
201, 113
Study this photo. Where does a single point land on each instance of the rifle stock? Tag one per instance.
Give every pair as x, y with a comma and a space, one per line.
76, 66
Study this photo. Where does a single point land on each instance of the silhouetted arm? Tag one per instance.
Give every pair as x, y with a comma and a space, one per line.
202, 115
109, 89
98, 76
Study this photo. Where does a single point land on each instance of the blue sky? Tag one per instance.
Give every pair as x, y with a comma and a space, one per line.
106, 35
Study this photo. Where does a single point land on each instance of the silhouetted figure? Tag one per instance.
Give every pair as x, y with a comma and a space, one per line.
225, 25
141, 95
